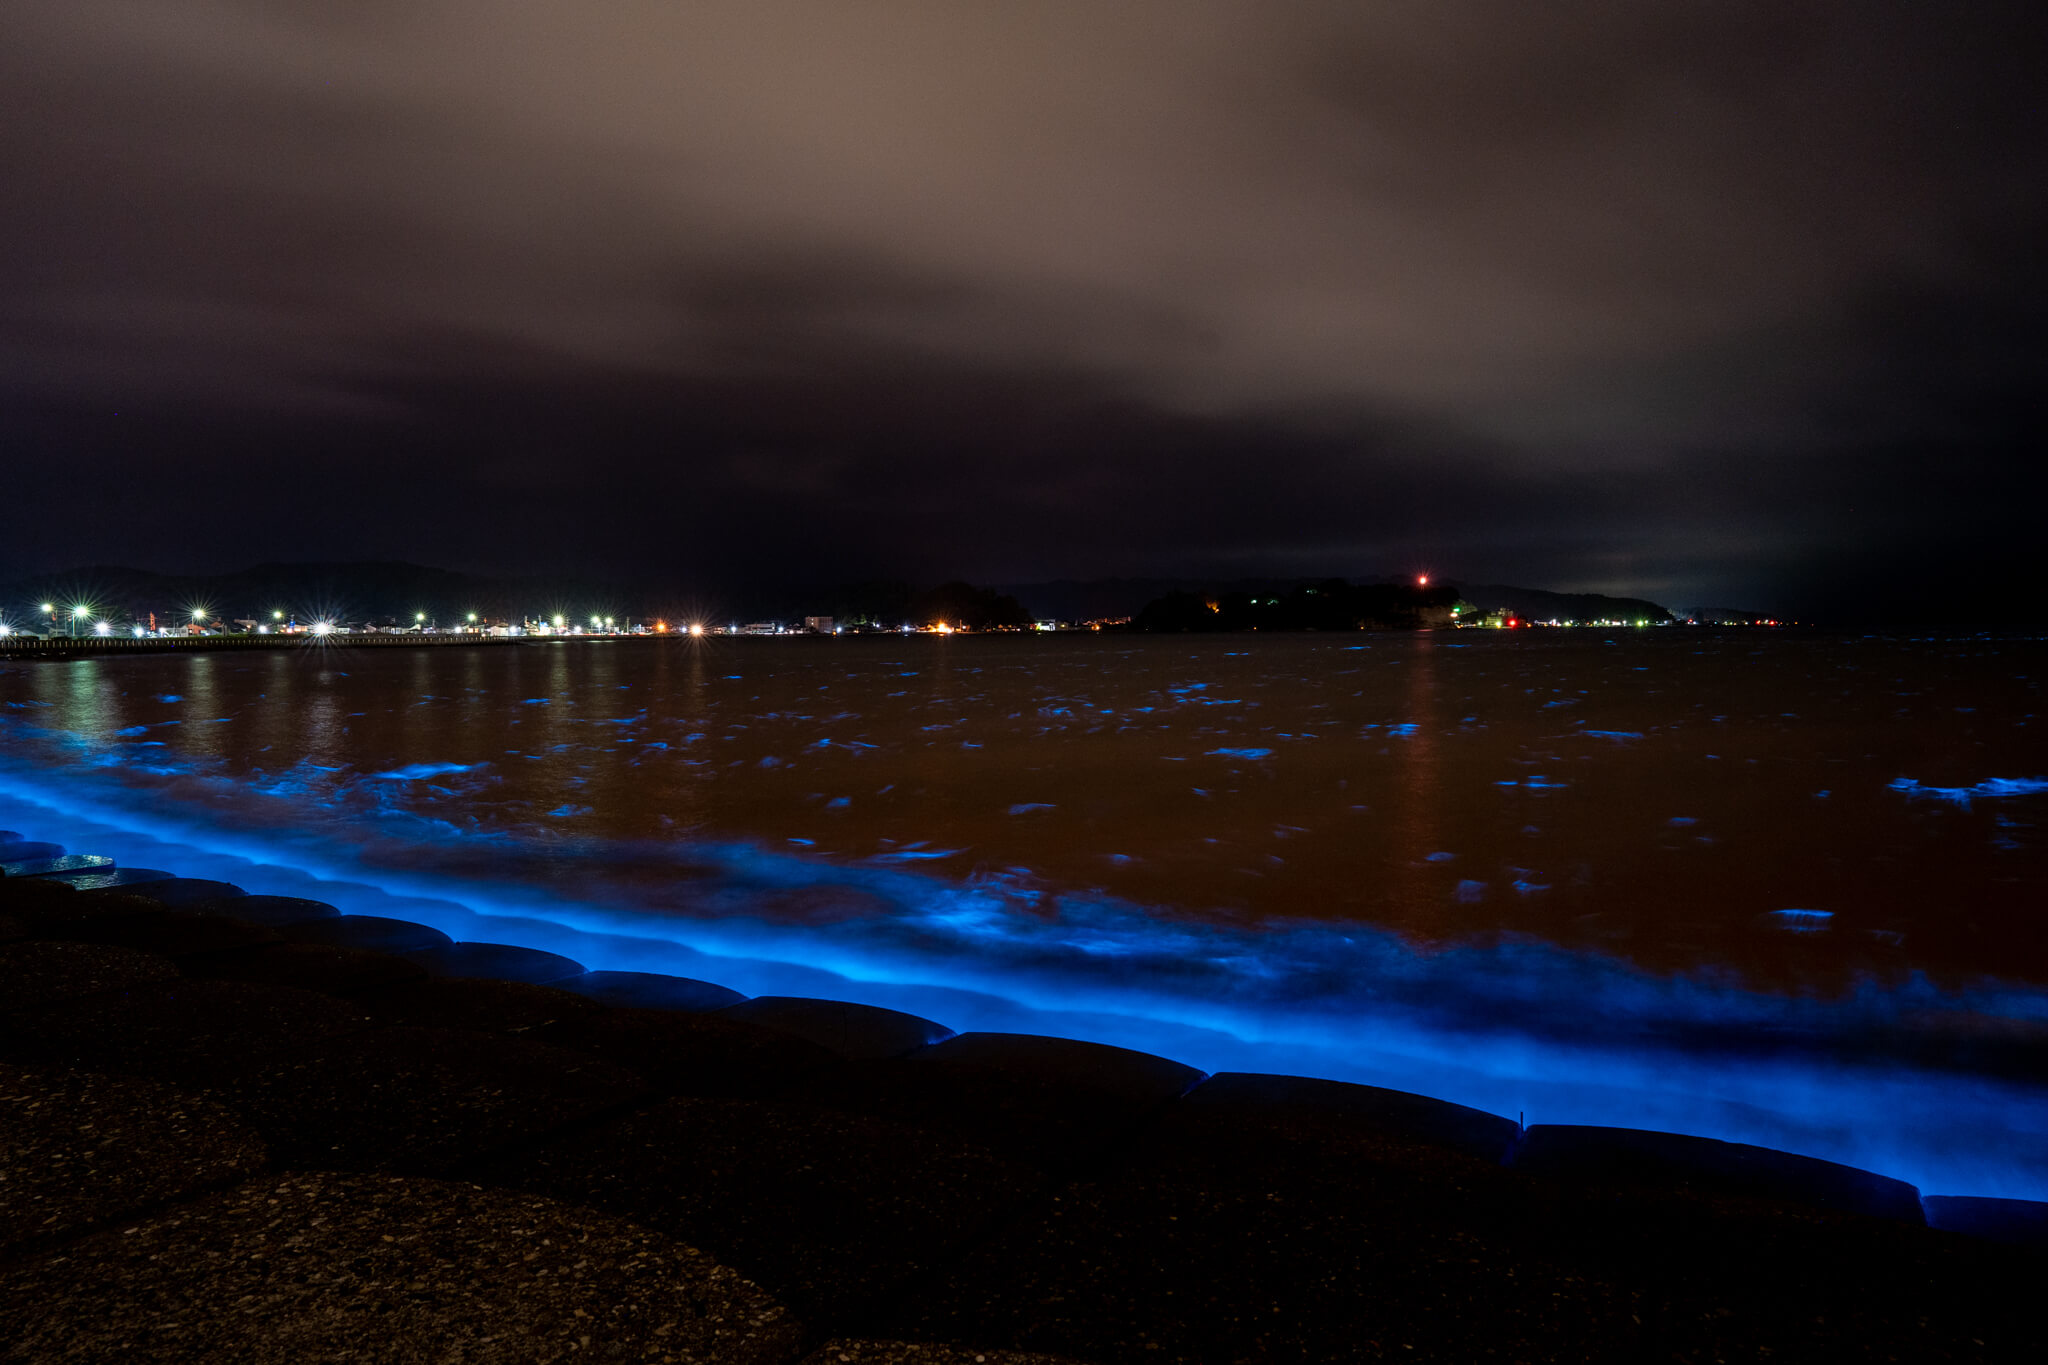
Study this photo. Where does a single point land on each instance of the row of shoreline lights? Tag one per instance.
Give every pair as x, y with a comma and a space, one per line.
83, 613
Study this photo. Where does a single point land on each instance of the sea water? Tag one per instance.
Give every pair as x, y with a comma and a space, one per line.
1772, 887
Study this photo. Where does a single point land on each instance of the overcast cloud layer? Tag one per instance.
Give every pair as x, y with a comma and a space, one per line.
1687, 299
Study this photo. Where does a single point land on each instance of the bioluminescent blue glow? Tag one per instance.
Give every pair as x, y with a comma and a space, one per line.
1511, 1026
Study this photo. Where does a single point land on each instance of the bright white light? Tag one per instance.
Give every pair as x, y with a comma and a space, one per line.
5, 630
49, 607
419, 616
558, 622
277, 616
323, 628
102, 629
140, 632
472, 618
697, 630
198, 614
82, 613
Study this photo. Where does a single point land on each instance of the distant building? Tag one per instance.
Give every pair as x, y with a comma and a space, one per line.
821, 625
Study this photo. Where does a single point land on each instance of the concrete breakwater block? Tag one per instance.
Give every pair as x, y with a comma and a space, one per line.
41, 973
184, 1032
318, 1266
1043, 1101
168, 891
418, 1101
373, 932
1389, 1116
825, 1210
159, 931
1696, 1165
694, 1054
2020, 1222
319, 967
652, 990
57, 866
274, 912
120, 878
30, 897
478, 1004
496, 961
1283, 1221
858, 1031
78, 1149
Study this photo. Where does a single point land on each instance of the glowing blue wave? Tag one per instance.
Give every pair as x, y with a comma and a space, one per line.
1511, 1025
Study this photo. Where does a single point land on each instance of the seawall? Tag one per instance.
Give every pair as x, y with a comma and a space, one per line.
843, 1174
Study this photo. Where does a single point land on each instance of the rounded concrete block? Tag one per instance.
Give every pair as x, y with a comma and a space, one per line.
66, 865
372, 932
1637, 1157
2022, 1222
651, 991
857, 1031
1067, 1061
495, 962
169, 891
120, 879
1393, 1113
273, 912
159, 931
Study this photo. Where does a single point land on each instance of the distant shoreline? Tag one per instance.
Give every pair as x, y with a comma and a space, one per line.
60, 647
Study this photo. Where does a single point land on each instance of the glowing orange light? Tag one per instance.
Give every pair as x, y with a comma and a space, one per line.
1422, 580
661, 626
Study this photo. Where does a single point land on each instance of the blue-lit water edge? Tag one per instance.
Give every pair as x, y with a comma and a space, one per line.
1925, 1073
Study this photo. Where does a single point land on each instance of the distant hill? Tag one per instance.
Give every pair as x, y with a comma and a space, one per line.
1534, 604
1068, 600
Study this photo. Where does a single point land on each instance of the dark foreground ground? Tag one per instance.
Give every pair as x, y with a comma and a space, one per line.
248, 1128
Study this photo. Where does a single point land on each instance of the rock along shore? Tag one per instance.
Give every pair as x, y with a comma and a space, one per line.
253, 1128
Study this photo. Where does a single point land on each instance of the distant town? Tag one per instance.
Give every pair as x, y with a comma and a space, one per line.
955, 608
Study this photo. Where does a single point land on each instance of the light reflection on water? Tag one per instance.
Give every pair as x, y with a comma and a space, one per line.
1540, 874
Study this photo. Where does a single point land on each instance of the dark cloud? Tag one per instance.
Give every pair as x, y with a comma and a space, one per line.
1688, 299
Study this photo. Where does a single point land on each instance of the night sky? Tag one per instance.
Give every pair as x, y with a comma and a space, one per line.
1716, 303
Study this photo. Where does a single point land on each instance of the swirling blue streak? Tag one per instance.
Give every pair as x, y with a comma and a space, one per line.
1511, 1025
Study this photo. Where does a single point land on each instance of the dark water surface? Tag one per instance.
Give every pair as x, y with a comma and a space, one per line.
1778, 887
